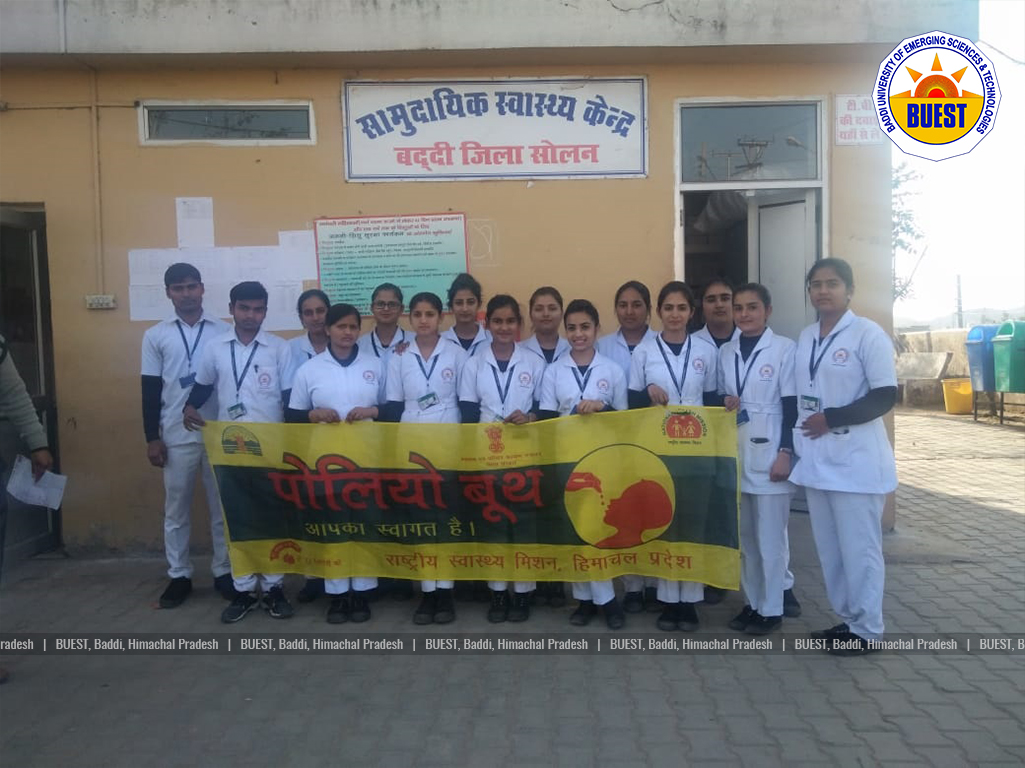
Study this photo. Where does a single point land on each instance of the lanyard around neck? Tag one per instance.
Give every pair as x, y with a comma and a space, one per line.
234, 367
189, 353
747, 371
669, 366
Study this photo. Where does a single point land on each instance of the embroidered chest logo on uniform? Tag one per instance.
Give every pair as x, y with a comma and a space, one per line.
447, 374
840, 356
698, 366
602, 386
369, 377
766, 372
264, 380
525, 379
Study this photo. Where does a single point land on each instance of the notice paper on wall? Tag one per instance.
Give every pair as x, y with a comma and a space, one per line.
195, 221
47, 492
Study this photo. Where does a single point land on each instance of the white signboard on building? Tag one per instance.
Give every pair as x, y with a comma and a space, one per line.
856, 120
495, 129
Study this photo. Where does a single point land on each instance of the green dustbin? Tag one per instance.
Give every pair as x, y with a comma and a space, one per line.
1009, 357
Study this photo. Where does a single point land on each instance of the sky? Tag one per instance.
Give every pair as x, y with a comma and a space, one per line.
972, 208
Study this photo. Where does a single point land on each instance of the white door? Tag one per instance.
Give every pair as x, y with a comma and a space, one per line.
782, 233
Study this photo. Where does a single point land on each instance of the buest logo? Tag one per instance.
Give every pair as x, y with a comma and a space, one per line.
840, 356
936, 96
238, 440
369, 376
525, 379
447, 374
766, 372
684, 425
264, 380
285, 551
495, 437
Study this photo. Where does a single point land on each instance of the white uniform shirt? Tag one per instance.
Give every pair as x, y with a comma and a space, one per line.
563, 386
166, 351
705, 334
300, 350
614, 346
520, 385
260, 384
323, 382
371, 343
856, 357
413, 380
483, 337
532, 345
766, 376
685, 377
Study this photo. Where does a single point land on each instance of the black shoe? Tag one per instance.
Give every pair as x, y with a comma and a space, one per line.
742, 619
763, 625
277, 605
614, 616
669, 619
338, 611
445, 612
499, 610
633, 602
556, 594
714, 595
651, 603
850, 644
225, 585
831, 633
689, 621
520, 608
243, 603
791, 608
359, 607
540, 594
311, 590
176, 592
425, 611
582, 616
464, 591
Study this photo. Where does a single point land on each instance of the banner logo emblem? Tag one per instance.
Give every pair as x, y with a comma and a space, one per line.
235, 440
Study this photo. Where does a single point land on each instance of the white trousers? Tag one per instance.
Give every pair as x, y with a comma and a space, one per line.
266, 581
519, 587
680, 591
638, 583
848, 536
763, 550
598, 592
430, 586
184, 462
357, 584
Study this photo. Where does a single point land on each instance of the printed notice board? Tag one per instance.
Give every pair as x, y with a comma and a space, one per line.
418, 252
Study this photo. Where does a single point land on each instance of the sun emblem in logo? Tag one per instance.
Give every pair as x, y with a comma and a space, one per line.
240, 440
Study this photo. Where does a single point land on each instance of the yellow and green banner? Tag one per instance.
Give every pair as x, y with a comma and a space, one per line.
652, 492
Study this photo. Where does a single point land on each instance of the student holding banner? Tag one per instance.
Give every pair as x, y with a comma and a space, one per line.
465, 300
633, 310
546, 320
422, 387
756, 371
312, 307
674, 368
502, 383
342, 384
585, 382
249, 370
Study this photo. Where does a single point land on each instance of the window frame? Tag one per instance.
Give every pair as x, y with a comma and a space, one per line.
143, 107
820, 182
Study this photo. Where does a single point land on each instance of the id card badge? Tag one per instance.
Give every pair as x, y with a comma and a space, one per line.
742, 417
809, 403
187, 381
427, 401
236, 411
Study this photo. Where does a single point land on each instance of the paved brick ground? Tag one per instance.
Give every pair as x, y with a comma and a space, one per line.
955, 564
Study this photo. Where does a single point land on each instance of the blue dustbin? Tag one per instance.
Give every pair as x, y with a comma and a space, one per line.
980, 357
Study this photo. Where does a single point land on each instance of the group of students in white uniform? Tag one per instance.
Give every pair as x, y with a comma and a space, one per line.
818, 425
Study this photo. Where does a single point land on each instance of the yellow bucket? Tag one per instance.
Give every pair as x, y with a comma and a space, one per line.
957, 395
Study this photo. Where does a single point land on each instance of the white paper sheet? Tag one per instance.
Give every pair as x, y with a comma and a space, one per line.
48, 492
195, 221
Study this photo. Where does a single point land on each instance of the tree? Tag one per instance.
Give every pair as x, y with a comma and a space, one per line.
906, 234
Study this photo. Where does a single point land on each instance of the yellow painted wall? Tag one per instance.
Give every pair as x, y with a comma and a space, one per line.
584, 236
